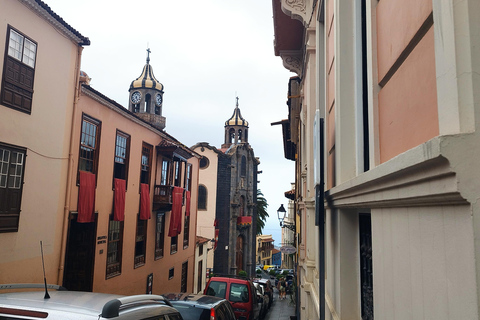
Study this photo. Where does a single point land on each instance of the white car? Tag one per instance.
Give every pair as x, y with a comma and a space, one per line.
263, 299
68, 305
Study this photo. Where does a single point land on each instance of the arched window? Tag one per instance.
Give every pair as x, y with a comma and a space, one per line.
243, 171
202, 197
147, 103
240, 135
204, 162
246, 136
231, 135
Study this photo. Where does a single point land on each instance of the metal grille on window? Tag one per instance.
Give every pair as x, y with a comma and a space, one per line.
366, 266
114, 255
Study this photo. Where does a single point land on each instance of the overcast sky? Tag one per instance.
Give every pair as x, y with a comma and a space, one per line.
205, 53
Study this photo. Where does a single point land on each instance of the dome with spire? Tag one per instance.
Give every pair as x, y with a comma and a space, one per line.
236, 119
236, 129
147, 79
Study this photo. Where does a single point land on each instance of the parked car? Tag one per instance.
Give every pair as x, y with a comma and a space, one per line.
66, 305
239, 291
262, 299
201, 307
267, 288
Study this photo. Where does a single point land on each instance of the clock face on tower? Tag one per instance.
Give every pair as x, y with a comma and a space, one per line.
158, 99
136, 96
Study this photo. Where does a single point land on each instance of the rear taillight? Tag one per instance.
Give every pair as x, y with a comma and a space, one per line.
212, 314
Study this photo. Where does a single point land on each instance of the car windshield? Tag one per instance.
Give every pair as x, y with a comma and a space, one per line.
238, 292
192, 313
217, 289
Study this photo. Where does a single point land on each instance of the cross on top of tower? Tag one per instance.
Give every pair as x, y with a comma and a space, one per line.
148, 55
237, 101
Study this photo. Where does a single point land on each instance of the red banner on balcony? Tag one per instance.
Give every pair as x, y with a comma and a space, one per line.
144, 201
187, 205
244, 221
86, 197
176, 213
119, 200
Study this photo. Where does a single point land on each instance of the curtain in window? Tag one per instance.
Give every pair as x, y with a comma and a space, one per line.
187, 205
119, 200
176, 214
144, 201
86, 197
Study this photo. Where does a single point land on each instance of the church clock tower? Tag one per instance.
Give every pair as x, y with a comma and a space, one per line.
236, 129
146, 97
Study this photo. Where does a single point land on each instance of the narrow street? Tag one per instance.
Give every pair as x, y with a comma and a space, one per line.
281, 309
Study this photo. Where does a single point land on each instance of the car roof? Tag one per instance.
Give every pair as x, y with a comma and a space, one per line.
66, 301
199, 300
233, 279
79, 305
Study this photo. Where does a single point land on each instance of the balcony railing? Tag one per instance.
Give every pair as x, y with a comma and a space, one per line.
162, 197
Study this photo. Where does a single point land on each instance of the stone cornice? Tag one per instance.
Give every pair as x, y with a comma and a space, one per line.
421, 176
293, 61
297, 9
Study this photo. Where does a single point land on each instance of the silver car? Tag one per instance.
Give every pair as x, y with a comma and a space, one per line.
67, 305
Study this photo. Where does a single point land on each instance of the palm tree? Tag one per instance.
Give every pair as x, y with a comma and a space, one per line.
262, 213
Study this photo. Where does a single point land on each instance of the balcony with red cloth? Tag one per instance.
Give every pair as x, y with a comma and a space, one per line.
244, 221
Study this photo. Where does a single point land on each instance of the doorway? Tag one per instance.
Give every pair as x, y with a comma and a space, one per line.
80, 255
239, 254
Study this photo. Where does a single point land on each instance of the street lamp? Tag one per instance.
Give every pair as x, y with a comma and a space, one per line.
281, 212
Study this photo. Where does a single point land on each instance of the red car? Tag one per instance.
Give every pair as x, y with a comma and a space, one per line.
240, 292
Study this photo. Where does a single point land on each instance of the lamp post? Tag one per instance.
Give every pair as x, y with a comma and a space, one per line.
281, 213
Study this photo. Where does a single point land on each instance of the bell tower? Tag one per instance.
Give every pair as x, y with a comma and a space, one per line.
146, 97
236, 129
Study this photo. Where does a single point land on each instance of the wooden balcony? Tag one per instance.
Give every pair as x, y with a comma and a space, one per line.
162, 197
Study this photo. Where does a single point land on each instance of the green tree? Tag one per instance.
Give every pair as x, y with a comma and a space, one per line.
262, 213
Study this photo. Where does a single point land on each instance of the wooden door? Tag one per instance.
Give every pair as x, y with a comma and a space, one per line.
80, 256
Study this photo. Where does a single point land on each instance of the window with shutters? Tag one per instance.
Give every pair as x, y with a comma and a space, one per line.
122, 151
146, 163
202, 197
18, 71
12, 168
159, 235
140, 242
89, 144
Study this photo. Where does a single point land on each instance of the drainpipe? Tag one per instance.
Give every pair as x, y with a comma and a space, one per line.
66, 209
320, 222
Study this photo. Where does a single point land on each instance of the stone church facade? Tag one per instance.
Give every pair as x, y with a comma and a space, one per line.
235, 202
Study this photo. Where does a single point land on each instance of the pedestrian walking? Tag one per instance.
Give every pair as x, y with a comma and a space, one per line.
282, 286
